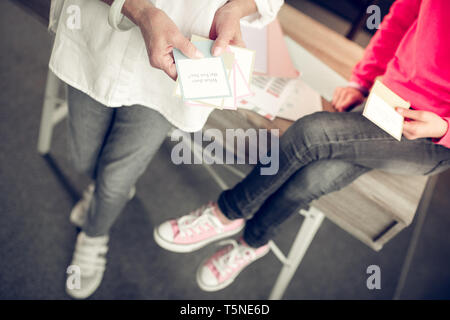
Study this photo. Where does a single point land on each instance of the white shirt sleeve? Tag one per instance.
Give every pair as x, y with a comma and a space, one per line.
267, 12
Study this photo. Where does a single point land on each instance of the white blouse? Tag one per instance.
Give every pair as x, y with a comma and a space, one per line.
112, 66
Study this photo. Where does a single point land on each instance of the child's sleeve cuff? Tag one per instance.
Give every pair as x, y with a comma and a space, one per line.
445, 140
363, 89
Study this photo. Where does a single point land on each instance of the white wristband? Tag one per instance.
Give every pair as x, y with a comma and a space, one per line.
116, 19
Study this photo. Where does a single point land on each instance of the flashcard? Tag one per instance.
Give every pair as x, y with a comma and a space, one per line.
270, 94
244, 63
255, 38
228, 59
239, 77
239, 63
230, 103
303, 100
202, 78
380, 109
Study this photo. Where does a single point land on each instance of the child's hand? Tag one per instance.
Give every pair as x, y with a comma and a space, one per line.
346, 97
423, 124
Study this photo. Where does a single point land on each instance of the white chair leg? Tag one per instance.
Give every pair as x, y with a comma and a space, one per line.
312, 222
53, 111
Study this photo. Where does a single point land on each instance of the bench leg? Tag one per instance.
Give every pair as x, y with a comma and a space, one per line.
421, 214
53, 111
312, 222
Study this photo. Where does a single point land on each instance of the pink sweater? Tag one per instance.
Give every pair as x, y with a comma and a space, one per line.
412, 52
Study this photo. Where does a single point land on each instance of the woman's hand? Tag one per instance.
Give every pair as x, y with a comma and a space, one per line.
160, 34
226, 28
422, 124
346, 97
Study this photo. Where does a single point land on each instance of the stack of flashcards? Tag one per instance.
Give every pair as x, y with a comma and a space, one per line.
218, 82
380, 109
266, 83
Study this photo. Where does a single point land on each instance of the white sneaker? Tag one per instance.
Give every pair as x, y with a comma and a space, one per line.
79, 212
220, 270
195, 230
85, 273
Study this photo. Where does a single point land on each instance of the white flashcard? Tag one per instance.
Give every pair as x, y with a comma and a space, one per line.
238, 63
380, 109
302, 101
204, 78
244, 63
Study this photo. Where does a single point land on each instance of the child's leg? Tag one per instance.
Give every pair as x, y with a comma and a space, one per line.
304, 186
318, 154
347, 137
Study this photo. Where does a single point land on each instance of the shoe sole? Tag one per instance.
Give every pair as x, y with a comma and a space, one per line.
225, 283
185, 248
81, 294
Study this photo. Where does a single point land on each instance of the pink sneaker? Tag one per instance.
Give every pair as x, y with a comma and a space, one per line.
220, 270
195, 230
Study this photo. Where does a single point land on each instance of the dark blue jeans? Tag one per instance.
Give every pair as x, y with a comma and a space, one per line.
319, 154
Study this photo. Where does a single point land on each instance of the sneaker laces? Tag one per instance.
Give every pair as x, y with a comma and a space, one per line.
195, 221
237, 253
90, 254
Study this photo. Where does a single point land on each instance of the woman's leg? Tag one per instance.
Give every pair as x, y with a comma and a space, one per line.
89, 122
114, 146
135, 137
322, 136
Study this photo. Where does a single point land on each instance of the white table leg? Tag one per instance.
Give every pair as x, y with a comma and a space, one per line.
53, 111
306, 233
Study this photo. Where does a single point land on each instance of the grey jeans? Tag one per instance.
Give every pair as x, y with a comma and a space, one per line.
319, 154
114, 146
